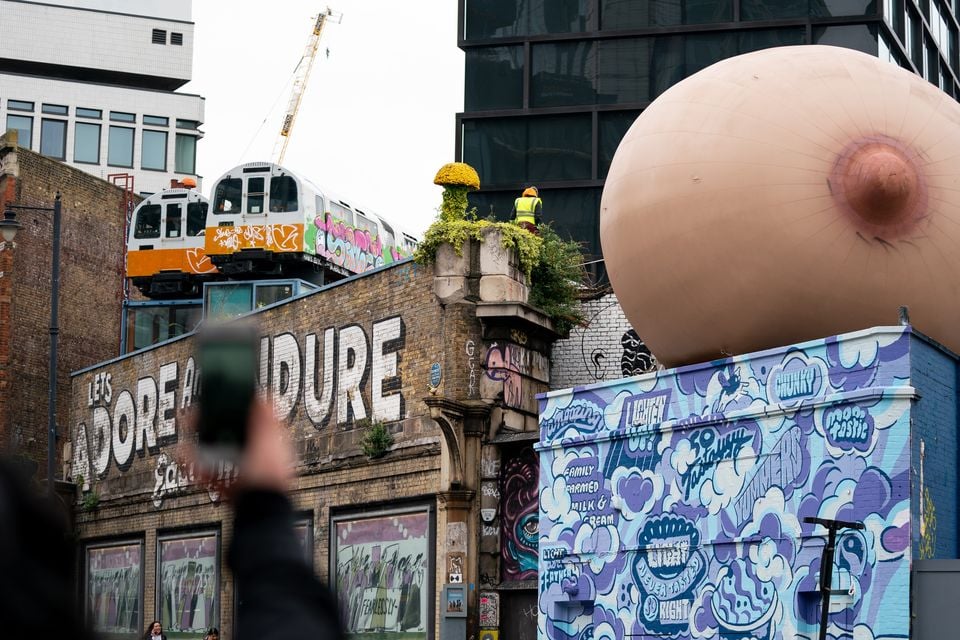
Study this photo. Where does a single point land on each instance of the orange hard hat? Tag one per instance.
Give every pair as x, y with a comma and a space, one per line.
530, 192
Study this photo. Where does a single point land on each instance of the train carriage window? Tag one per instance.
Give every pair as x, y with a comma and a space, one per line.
148, 222
283, 194
196, 218
174, 220
367, 224
227, 197
255, 194
320, 209
341, 213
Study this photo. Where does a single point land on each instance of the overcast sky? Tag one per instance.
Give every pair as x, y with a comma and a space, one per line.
377, 117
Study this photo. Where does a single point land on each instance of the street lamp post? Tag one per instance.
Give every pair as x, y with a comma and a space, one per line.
8, 229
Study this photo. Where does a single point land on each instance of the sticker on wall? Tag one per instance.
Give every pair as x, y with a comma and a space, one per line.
489, 610
489, 634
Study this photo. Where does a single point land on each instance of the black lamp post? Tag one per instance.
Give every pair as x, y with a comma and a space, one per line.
8, 229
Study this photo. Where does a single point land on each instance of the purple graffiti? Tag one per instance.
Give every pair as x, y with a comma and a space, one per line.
673, 507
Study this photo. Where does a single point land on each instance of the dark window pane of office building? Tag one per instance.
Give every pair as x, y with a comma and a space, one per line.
623, 74
494, 78
595, 64
559, 148
573, 216
498, 204
757, 39
563, 74
861, 37
630, 14
507, 18
497, 149
768, 10
613, 126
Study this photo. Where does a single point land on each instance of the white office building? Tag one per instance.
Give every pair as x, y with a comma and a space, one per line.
92, 83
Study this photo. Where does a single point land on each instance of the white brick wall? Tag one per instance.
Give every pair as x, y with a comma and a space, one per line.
603, 350
94, 39
106, 98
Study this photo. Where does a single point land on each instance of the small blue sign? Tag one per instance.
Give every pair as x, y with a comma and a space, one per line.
435, 374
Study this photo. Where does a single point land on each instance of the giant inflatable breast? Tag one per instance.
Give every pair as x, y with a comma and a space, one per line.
785, 195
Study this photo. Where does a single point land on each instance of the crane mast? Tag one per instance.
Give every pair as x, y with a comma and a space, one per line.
301, 75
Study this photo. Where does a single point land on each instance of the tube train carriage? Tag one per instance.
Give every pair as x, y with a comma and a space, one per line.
165, 256
264, 220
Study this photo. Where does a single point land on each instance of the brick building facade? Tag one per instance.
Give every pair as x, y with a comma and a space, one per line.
91, 280
449, 359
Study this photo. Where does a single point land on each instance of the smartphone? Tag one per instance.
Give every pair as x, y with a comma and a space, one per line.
227, 360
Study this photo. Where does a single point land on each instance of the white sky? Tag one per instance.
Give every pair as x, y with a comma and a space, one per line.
377, 117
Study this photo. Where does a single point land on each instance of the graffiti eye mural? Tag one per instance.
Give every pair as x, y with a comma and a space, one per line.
519, 516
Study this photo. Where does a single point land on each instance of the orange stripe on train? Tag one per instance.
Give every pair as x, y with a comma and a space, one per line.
273, 237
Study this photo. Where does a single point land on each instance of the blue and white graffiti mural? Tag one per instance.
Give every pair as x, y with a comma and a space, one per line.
672, 505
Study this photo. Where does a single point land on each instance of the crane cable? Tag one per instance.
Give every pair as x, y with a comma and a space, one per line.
280, 94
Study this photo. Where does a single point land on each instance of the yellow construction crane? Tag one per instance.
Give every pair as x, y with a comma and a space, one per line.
301, 75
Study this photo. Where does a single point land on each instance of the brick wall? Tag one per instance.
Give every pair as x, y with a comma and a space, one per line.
90, 285
607, 348
934, 451
127, 427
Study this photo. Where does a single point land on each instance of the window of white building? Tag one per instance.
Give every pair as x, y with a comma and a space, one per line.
53, 138
120, 147
24, 128
185, 158
153, 152
86, 143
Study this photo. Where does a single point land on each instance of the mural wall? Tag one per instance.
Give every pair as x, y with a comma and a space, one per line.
188, 597
327, 375
383, 575
672, 505
114, 589
519, 516
606, 348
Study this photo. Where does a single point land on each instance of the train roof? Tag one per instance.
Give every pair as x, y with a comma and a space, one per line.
168, 194
326, 193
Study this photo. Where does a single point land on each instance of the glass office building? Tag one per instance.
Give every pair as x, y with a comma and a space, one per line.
552, 85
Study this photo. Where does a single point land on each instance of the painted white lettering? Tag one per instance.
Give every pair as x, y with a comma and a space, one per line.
124, 421
146, 431
167, 424
101, 440
318, 409
186, 396
386, 408
352, 360
81, 456
286, 374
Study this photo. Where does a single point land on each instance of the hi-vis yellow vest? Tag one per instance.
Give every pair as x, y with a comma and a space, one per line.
525, 209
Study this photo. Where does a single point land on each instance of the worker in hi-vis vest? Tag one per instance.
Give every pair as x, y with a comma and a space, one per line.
528, 209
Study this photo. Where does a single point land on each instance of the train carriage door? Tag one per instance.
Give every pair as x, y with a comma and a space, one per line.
256, 194
173, 221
